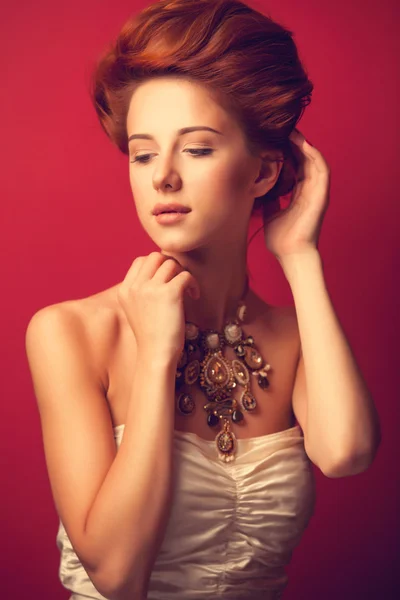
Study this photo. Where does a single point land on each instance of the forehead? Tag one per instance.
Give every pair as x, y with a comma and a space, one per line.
176, 102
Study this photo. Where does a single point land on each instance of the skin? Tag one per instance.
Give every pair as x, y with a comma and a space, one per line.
219, 187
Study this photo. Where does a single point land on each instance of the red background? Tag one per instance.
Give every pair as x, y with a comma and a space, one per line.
69, 229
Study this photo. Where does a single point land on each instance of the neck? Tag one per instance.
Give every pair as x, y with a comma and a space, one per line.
222, 278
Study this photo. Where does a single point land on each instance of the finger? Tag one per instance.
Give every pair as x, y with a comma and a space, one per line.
149, 267
167, 271
132, 273
315, 162
185, 282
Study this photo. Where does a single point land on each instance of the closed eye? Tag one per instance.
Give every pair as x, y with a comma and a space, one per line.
198, 152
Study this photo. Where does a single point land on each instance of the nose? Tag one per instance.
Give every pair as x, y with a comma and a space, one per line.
166, 175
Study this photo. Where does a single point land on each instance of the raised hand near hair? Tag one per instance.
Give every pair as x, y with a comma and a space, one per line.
151, 296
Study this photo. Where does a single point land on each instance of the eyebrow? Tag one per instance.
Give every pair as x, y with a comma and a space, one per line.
147, 136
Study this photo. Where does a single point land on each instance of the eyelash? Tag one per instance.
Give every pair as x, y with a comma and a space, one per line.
197, 152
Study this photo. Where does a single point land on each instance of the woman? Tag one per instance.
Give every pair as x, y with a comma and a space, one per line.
175, 462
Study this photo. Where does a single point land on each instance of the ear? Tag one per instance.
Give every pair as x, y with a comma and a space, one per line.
268, 174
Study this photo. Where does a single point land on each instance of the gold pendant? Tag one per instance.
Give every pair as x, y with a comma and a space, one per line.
226, 443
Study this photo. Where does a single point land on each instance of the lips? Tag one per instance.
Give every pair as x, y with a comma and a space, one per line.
168, 208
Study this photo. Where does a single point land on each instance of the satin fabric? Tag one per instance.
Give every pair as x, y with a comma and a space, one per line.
232, 527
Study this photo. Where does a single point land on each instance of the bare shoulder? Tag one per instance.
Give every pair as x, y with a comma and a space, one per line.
282, 320
97, 318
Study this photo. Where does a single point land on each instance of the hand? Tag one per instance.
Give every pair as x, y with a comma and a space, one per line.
296, 229
151, 296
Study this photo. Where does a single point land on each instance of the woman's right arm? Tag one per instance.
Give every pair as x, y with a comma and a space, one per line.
113, 505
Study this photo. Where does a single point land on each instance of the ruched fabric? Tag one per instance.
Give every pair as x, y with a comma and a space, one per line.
232, 527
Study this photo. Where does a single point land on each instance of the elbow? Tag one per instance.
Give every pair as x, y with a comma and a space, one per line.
113, 586
101, 580
104, 584
126, 580
107, 584
350, 466
352, 462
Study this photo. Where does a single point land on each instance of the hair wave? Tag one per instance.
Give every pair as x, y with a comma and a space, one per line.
248, 62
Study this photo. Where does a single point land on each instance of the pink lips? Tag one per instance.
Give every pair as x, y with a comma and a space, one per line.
170, 217
171, 207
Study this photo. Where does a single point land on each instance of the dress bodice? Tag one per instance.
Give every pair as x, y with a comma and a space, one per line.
232, 526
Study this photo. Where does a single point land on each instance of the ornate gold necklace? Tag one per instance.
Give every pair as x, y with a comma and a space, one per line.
202, 362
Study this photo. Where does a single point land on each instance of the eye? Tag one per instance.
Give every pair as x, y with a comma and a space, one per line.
198, 152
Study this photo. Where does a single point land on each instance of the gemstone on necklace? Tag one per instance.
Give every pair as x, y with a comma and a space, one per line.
240, 372
233, 333
252, 358
237, 416
216, 371
191, 331
212, 340
212, 420
185, 404
248, 401
241, 312
263, 382
225, 441
192, 372
239, 350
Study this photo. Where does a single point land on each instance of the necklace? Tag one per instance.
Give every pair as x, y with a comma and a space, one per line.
202, 362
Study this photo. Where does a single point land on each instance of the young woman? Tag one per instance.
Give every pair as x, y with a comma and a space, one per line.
169, 402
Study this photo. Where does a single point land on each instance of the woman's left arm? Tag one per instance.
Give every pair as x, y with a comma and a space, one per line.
341, 425
342, 428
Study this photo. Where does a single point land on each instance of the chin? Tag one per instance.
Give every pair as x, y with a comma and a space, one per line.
174, 243
180, 239
177, 247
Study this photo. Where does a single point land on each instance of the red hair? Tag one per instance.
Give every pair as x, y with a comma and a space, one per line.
247, 61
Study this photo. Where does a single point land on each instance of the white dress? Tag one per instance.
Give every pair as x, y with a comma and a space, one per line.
232, 527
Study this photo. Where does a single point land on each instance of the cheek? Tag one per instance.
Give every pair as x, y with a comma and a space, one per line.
139, 195
230, 182
135, 182
241, 176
